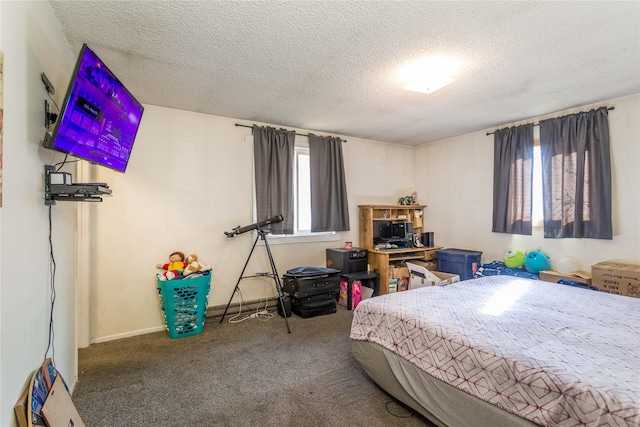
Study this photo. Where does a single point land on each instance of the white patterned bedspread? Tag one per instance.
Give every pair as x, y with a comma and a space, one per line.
553, 354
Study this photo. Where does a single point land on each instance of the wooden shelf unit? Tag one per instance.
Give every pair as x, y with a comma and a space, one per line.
380, 260
369, 214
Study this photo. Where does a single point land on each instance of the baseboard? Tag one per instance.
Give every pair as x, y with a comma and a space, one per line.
128, 334
216, 311
213, 312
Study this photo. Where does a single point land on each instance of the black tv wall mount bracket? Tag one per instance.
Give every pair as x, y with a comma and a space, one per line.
59, 186
49, 117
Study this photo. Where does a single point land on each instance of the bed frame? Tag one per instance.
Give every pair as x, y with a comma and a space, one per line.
445, 406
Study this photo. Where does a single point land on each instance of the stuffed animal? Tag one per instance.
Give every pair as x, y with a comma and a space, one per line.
537, 261
193, 265
514, 258
174, 267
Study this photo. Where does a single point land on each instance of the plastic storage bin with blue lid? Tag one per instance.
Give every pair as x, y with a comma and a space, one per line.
462, 262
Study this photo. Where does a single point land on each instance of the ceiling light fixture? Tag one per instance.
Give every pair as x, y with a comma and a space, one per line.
429, 74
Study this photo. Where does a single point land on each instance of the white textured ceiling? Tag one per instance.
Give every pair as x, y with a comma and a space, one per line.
331, 66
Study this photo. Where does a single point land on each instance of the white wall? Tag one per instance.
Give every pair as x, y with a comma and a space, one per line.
32, 43
189, 180
454, 177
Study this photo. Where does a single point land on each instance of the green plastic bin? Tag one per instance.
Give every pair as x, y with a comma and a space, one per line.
184, 304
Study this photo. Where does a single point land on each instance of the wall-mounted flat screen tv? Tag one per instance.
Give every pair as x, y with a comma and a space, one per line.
99, 117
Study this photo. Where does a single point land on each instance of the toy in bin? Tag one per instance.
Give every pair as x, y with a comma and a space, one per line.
174, 268
194, 266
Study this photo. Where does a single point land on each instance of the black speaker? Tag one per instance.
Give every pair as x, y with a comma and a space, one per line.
427, 239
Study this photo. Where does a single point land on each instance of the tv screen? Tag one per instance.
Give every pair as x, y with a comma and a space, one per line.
99, 117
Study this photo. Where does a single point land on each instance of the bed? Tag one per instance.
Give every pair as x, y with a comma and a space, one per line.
505, 351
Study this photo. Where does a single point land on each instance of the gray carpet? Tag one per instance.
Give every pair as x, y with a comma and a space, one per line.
251, 373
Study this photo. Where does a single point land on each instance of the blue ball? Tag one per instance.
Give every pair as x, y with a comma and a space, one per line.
536, 261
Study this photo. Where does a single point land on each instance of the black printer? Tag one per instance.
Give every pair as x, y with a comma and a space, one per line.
352, 260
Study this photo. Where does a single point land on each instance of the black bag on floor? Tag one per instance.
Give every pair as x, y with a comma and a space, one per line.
308, 271
307, 281
314, 301
319, 308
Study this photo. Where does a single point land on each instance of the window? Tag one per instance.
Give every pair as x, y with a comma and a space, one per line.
568, 186
537, 216
302, 191
302, 201
577, 175
537, 204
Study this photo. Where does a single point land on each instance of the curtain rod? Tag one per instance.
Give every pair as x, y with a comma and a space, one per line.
538, 124
299, 134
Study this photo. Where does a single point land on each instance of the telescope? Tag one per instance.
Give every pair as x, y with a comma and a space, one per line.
258, 225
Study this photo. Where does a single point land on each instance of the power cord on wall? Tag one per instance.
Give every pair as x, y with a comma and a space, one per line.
52, 272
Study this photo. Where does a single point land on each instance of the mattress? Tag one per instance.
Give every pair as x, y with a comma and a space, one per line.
548, 353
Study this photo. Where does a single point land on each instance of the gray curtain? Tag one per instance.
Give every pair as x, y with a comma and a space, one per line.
576, 175
273, 156
329, 204
512, 179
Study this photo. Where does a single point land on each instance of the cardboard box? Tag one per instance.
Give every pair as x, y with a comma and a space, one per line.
58, 409
553, 276
398, 271
429, 265
20, 409
401, 274
617, 278
421, 277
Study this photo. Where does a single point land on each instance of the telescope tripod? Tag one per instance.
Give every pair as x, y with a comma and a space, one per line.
274, 275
